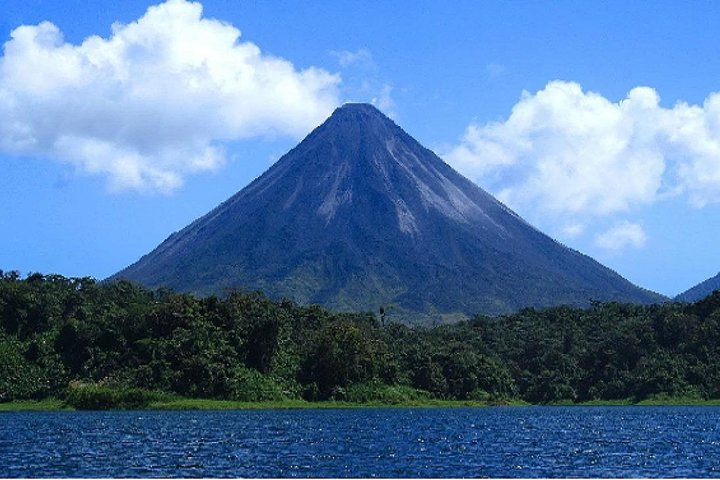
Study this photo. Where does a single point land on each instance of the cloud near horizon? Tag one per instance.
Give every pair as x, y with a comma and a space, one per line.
575, 156
152, 103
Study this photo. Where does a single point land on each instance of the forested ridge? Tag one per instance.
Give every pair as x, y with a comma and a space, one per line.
74, 338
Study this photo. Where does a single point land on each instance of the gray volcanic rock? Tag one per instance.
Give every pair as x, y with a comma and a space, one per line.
700, 291
360, 215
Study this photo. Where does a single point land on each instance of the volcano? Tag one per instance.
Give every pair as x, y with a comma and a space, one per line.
360, 216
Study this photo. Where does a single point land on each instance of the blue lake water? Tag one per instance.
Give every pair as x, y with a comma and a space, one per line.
439, 442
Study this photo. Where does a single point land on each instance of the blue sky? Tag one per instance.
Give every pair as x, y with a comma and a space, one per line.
597, 122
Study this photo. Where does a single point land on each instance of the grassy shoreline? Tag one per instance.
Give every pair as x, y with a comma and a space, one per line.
208, 404
46, 405
53, 404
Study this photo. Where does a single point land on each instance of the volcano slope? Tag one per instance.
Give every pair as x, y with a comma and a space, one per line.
360, 216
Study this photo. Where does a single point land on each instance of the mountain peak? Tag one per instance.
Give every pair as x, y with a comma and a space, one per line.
360, 117
354, 133
365, 109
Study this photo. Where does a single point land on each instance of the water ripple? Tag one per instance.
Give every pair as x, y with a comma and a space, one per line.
490, 442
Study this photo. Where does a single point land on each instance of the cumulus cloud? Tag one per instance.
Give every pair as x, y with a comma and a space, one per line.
574, 154
155, 101
622, 235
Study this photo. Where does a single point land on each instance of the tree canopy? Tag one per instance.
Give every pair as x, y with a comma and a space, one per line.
56, 332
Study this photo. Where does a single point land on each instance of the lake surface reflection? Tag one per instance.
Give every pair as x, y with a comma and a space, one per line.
413, 442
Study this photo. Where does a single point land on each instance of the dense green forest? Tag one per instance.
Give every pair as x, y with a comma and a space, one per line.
73, 338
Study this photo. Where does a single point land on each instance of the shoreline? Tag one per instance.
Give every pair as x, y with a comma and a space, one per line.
188, 404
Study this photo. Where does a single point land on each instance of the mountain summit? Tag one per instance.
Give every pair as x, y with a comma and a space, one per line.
360, 216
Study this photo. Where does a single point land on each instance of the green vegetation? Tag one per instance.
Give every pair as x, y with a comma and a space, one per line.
664, 400
93, 396
48, 404
179, 403
117, 345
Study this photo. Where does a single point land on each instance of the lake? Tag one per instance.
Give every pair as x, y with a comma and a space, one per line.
408, 442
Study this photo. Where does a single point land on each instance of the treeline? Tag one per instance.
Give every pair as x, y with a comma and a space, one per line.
59, 333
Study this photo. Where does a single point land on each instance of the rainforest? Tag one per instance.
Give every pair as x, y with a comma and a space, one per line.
86, 344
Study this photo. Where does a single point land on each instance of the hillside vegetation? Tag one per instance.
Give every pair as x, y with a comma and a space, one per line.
700, 291
120, 345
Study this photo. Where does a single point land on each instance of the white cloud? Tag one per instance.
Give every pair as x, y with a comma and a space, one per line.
153, 102
622, 235
573, 230
384, 101
361, 57
571, 154
362, 81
